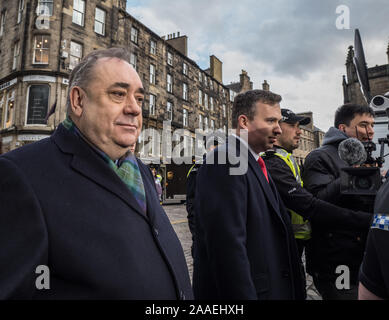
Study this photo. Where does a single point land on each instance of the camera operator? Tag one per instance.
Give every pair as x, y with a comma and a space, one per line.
332, 246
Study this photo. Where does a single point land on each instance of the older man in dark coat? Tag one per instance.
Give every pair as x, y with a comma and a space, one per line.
79, 214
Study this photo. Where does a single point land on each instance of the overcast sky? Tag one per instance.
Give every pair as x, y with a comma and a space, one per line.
294, 44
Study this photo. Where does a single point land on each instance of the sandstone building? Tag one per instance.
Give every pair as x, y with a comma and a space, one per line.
42, 40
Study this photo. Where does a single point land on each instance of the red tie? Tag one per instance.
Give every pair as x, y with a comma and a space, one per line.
263, 167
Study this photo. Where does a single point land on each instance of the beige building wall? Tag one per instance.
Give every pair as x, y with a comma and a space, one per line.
20, 81
311, 138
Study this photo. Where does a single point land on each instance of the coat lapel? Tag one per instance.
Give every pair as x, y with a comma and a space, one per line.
89, 164
268, 187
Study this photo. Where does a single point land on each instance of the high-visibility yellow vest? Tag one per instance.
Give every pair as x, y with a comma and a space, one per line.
301, 227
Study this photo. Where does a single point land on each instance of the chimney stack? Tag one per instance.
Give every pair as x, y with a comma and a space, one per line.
179, 43
216, 68
265, 86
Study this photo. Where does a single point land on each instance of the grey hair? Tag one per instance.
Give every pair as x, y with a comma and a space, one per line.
82, 74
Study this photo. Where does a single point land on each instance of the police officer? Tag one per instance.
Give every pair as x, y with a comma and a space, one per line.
212, 141
281, 158
190, 196
302, 205
374, 272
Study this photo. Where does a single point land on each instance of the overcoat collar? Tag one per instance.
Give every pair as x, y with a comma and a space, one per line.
88, 163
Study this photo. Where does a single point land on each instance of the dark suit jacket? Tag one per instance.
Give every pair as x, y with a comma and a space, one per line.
244, 245
62, 206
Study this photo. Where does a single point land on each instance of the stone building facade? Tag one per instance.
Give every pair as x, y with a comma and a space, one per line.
310, 139
42, 40
379, 85
378, 80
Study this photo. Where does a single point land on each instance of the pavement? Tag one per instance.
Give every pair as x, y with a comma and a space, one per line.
178, 217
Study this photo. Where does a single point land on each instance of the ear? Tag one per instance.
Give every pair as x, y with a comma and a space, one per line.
243, 121
77, 99
342, 127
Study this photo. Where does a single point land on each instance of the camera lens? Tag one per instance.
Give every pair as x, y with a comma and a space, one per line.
363, 183
378, 101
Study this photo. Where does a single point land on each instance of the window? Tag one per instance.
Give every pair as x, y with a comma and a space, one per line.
205, 80
152, 105
185, 91
2, 22
20, 11
75, 54
200, 121
211, 103
41, 49
225, 129
200, 77
224, 110
100, 21
200, 98
133, 60
205, 123
153, 47
206, 100
16, 55
185, 69
169, 83
232, 95
185, 118
134, 35
2, 102
152, 74
169, 58
9, 109
212, 124
45, 8
38, 103
78, 12
211, 84
169, 110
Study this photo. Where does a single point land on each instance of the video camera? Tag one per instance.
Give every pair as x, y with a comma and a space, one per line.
365, 180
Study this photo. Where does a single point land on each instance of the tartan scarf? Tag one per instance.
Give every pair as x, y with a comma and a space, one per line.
126, 168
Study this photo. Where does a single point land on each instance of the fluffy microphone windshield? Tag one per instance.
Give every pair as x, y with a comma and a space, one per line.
352, 151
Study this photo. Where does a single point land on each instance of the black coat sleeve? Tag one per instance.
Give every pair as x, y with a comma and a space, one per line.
304, 203
23, 234
319, 178
375, 263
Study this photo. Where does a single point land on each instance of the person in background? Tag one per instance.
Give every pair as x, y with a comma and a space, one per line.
374, 271
212, 141
303, 207
331, 245
158, 183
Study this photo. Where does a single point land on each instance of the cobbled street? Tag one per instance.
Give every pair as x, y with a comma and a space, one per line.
178, 217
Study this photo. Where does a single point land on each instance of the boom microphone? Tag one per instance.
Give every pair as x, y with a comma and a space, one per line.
352, 151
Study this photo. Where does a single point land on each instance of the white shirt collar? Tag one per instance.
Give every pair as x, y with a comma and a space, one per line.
255, 155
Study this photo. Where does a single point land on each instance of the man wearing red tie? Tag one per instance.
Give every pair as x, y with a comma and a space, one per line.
245, 247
